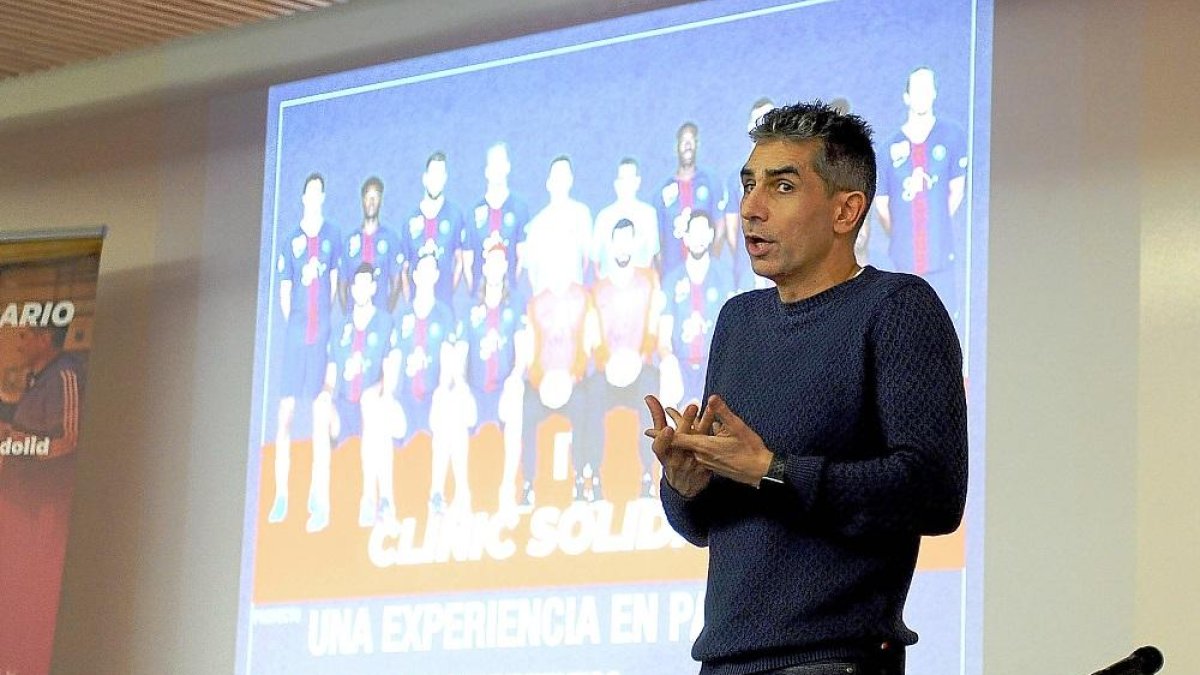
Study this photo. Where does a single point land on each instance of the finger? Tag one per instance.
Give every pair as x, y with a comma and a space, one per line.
677, 417
690, 413
697, 444
706, 420
732, 423
657, 416
662, 444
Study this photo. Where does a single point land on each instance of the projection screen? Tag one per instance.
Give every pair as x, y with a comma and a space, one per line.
449, 245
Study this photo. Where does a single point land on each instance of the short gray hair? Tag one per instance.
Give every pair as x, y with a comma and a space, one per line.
847, 160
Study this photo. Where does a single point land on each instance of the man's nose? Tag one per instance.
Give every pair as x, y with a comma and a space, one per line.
752, 206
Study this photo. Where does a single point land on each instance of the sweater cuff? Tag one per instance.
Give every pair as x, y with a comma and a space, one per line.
804, 476
675, 498
683, 513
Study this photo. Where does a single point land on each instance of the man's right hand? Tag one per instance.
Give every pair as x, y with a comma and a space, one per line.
683, 473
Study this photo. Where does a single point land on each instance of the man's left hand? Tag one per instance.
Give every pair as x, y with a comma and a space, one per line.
734, 450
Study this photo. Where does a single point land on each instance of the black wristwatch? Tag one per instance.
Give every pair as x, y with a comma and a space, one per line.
776, 472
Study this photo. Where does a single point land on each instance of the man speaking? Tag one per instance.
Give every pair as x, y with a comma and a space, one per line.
834, 430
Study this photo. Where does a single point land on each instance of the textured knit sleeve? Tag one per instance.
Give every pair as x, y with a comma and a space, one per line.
917, 485
687, 516
691, 517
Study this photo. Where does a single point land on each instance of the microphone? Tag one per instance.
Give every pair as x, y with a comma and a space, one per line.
1143, 661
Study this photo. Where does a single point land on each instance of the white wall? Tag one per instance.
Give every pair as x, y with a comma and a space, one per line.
1093, 534
1093, 520
1168, 385
1063, 338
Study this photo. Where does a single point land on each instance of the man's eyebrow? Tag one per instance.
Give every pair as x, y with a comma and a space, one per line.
783, 170
786, 170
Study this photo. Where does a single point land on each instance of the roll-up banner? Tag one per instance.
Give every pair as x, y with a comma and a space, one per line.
47, 310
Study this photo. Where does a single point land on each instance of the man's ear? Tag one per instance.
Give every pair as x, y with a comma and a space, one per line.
850, 209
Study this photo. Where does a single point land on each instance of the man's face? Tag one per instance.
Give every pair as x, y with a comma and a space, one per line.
495, 265
33, 345
560, 180
362, 289
787, 215
497, 167
371, 200
921, 92
622, 246
698, 237
686, 146
627, 182
313, 197
434, 178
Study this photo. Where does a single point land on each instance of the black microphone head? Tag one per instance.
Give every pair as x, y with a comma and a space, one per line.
1151, 659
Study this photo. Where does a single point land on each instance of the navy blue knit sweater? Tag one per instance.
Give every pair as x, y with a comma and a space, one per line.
861, 387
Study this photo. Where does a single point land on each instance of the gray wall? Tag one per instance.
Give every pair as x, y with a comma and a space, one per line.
1093, 532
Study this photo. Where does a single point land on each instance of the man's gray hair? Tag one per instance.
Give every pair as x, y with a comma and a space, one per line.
847, 160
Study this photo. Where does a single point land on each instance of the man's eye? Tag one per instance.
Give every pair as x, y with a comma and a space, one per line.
747, 187
784, 187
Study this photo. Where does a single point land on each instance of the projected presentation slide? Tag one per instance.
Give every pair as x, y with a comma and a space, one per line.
474, 266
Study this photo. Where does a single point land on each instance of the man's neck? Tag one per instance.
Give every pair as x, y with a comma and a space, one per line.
362, 315
917, 127
432, 206
423, 303
621, 275
685, 172
493, 292
370, 226
311, 224
697, 268
496, 195
818, 281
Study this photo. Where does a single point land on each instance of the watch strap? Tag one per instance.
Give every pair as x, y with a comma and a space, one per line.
777, 471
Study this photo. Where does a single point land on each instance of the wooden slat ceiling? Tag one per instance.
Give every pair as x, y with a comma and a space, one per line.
42, 34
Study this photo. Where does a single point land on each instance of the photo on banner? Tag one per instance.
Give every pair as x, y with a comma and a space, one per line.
47, 310
475, 264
